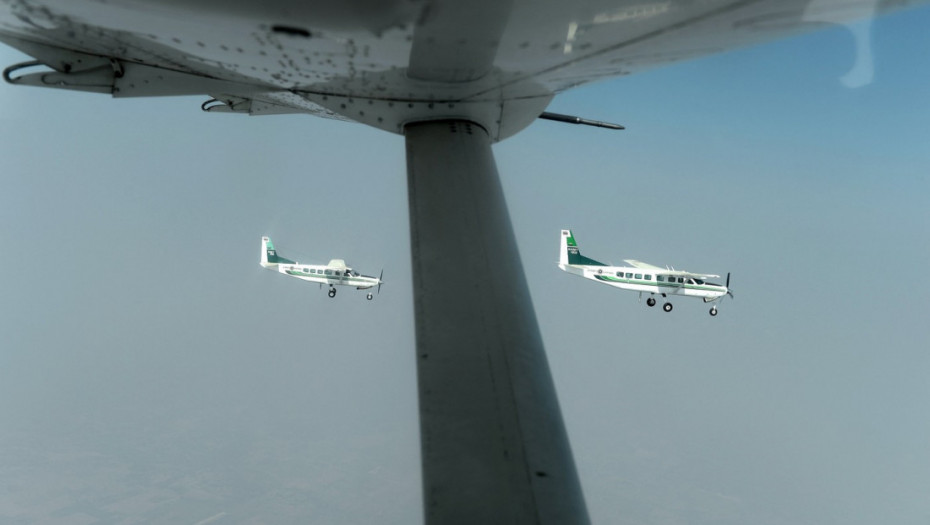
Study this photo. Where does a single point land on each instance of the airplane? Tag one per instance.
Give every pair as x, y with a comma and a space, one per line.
334, 273
453, 78
641, 277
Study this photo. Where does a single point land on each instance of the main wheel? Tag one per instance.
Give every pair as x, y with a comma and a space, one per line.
713, 311
332, 292
370, 297
651, 301
667, 307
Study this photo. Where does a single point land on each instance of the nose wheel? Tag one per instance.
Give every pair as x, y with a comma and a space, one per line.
667, 307
713, 311
370, 297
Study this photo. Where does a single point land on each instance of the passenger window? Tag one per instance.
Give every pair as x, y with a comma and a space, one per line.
660, 278
328, 272
648, 277
681, 279
639, 276
619, 274
629, 276
306, 270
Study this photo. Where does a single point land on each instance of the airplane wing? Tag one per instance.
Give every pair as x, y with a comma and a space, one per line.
644, 266
385, 63
337, 264
665, 271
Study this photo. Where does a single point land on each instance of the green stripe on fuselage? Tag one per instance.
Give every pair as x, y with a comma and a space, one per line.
347, 280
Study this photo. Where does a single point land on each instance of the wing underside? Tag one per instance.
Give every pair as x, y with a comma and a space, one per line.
385, 64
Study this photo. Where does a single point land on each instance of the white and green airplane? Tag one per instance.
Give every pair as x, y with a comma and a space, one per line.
334, 273
641, 277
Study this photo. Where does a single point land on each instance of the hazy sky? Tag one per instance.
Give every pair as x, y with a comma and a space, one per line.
152, 372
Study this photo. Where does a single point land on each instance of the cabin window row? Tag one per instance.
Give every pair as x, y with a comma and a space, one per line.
313, 270
647, 277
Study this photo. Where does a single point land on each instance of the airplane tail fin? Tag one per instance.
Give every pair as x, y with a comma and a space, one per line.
570, 254
270, 256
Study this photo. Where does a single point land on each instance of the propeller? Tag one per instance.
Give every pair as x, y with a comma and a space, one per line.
728, 286
379, 280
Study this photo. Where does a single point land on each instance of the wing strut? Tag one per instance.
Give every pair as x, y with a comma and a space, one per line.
493, 444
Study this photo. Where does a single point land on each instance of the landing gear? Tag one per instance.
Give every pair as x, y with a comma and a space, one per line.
332, 292
651, 301
713, 311
369, 297
667, 307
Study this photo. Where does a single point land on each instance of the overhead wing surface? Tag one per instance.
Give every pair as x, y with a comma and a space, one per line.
387, 63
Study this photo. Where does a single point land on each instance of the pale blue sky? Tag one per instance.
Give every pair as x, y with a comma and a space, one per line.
149, 367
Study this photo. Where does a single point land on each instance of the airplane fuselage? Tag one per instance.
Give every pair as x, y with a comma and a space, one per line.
325, 275
639, 280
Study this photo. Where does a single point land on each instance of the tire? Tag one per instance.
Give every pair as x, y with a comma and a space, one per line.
651, 302
370, 297
667, 307
713, 312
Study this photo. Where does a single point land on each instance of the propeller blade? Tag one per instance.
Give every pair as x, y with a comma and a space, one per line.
379, 280
728, 280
